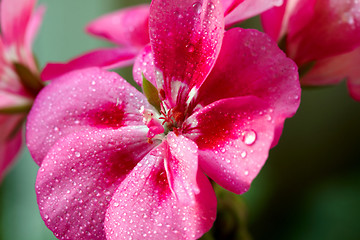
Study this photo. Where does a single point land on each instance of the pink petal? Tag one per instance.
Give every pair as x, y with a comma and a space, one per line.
181, 167
234, 136
354, 89
33, 26
229, 5
105, 58
84, 99
79, 175
9, 145
248, 9
251, 64
15, 16
272, 21
318, 38
144, 65
143, 207
186, 38
275, 21
11, 100
334, 69
127, 27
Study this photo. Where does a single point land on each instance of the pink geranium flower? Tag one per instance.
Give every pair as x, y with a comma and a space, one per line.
115, 166
17, 66
128, 29
320, 33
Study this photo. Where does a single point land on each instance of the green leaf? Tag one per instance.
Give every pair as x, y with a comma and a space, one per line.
151, 93
16, 109
31, 82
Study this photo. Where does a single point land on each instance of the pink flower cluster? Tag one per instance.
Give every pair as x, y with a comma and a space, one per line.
116, 163
323, 38
17, 92
114, 166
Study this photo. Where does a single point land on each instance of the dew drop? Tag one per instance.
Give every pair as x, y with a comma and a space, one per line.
211, 5
249, 137
243, 154
197, 7
77, 154
190, 48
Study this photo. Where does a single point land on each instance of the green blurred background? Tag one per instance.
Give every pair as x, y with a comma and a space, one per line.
308, 189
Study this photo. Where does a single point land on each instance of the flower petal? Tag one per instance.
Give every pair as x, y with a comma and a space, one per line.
84, 99
9, 145
144, 65
251, 64
181, 165
234, 137
33, 26
334, 69
229, 5
105, 58
272, 21
15, 16
79, 175
9, 100
143, 207
186, 38
249, 8
128, 27
354, 88
328, 18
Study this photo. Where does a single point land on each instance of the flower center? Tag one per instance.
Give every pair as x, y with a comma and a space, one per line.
169, 119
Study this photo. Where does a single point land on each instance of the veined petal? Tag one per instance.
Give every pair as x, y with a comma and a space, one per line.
329, 17
105, 58
9, 100
229, 5
15, 16
128, 27
234, 136
9, 145
334, 69
251, 64
79, 175
143, 207
249, 8
84, 99
181, 166
33, 26
186, 37
144, 65
272, 21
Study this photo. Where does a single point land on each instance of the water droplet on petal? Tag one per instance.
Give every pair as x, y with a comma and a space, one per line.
190, 48
243, 154
211, 5
77, 154
197, 7
249, 137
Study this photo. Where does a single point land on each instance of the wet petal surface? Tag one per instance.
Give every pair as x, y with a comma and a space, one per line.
245, 69
234, 137
79, 175
143, 207
184, 49
83, 99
